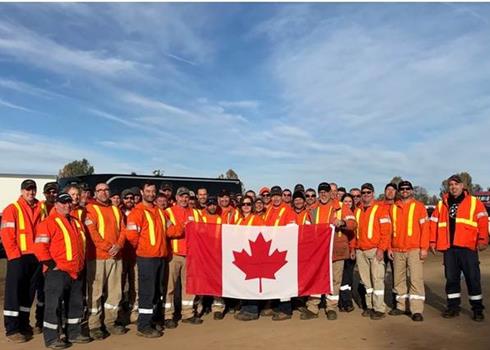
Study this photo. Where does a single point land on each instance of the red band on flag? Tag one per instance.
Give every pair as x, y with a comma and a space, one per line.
204, 254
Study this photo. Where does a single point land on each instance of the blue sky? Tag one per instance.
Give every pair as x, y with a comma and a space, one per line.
281, 93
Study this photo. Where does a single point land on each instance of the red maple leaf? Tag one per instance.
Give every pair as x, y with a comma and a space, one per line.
260, 264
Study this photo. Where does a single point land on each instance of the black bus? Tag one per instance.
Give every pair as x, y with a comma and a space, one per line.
119, 182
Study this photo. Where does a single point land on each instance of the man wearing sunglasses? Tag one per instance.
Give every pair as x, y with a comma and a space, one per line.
129, 269
310, 197
409, 246
373, 239
287, 196
265, 194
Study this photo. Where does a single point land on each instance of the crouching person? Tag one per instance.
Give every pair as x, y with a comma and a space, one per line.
147, 229
60, 247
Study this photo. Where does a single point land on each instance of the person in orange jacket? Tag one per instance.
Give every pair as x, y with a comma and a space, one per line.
279, 214
104, 265
50, 191
147, 230
299, 207
331, 211
210, 215
409, 247
373, 239
459, 228
60, 247
18, 230
229, 214
180, 214
311, 199
129, 277
249, 308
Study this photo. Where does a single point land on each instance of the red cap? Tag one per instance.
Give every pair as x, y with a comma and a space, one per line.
263, 190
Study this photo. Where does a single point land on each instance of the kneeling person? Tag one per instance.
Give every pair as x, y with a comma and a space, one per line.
60, 247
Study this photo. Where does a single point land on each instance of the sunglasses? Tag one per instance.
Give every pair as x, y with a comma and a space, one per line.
246, 204
129, 197
286, 194
310, 196
366, 192
266, 195
357, 196
405, 189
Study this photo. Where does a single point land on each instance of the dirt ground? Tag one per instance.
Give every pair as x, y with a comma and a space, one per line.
350, 331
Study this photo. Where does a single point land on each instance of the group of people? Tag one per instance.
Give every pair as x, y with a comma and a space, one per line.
89, 256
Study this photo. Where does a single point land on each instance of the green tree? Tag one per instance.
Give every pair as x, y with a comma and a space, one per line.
158, 172
76, 168
421, 194
477, 188
396, 180
232, 175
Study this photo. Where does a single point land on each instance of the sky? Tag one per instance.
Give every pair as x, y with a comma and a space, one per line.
281, 93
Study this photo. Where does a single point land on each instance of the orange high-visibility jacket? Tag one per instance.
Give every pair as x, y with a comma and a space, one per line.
280, 216
105, 225
344, 239
46, 209
303, 217
229, 215
373, 227
179, 215
80, 213
210, 218
251, 220
18, 229
147, 230
471, 226
410, 226
61, 239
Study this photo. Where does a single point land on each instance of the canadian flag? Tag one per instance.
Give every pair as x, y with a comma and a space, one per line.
259, 262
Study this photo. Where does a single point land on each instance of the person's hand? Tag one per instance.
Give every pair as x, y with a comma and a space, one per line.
114, 250
339, 223
390, 255
433, 250
423, 254
353, 254
380, 254
482, 246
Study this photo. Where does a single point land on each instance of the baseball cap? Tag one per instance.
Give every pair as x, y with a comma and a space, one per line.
50, 186
405, 183
212, 201
299, 194
126, 192
276, 191
84, 187
324, 186
166, 186
27, 184
63, 198
182, 190
455, 178
264, 190
391, 184
368, 186
299, 187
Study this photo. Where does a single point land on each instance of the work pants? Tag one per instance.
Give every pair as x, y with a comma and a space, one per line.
372, 272
313, 301
346, 284
59, 287
409, 263
20, 287
176, 270
103, 279
457, 260
129, 285
150, 280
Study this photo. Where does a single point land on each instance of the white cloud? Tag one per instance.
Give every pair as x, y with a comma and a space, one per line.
240, 104
14, 106
25, 45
